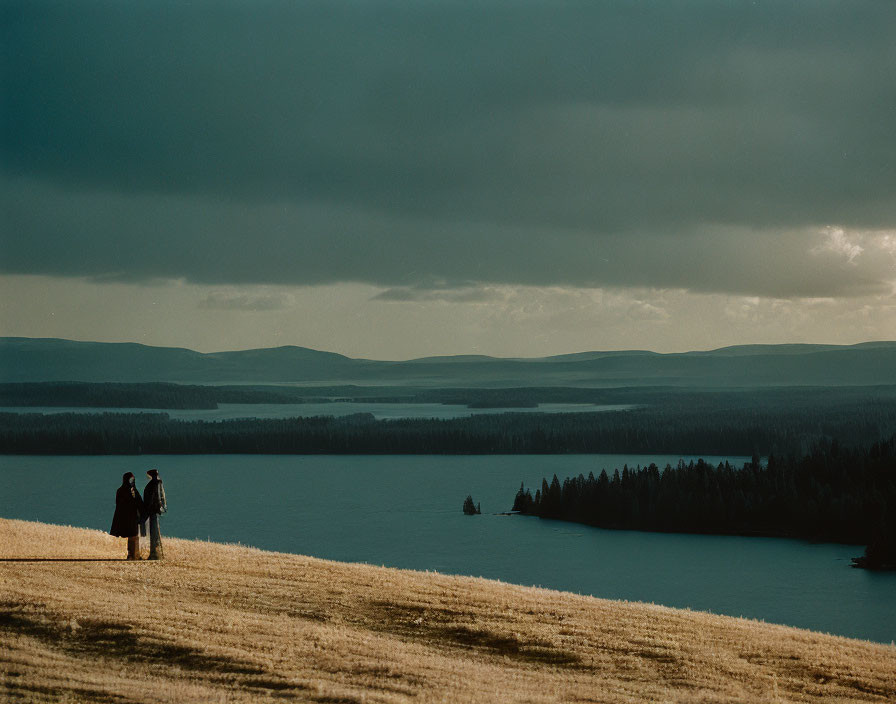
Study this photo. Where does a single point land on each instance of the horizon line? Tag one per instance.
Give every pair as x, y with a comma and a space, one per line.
435, 357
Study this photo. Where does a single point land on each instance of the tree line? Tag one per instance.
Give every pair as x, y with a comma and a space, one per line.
162, 395
671, 429
123, 395
832, 493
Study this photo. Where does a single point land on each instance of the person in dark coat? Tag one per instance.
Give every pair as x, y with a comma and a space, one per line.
128, 514
154, 504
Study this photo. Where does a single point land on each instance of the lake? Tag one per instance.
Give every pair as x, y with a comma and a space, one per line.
232, 411
405, 511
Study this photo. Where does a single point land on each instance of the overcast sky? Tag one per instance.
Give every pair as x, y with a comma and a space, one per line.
397, 179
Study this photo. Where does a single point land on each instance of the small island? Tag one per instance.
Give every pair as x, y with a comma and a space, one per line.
470, 508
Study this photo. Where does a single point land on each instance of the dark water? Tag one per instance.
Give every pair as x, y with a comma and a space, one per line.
230, 411
405, 511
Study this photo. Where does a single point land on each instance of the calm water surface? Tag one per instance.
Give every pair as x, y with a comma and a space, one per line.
405, 511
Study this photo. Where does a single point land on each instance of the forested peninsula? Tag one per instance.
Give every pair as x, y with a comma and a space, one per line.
832, 493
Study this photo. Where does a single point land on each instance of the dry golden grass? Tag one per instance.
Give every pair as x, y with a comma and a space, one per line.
223, 623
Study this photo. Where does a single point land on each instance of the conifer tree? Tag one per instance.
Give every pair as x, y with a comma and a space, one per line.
469, 506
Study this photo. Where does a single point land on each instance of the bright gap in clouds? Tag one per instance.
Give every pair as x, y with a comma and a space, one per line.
359, 321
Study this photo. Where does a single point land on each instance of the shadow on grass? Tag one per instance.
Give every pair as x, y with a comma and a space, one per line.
94, 637
442, 626
106, 639
67, 559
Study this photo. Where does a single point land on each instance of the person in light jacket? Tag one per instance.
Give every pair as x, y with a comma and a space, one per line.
128, 515
154, 505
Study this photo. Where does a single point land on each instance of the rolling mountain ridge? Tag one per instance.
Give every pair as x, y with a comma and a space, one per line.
39, 359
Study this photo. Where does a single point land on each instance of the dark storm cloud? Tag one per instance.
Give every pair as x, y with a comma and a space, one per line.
696, 144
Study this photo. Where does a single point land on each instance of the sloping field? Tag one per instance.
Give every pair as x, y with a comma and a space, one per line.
223, 623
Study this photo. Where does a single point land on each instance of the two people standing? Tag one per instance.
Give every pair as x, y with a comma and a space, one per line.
133, 512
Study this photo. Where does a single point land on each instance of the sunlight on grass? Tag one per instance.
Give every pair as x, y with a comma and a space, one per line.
216, 623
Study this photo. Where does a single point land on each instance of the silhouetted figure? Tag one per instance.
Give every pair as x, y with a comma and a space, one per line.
128, 514
154, 504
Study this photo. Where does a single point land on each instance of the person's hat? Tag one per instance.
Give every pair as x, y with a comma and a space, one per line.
152, 473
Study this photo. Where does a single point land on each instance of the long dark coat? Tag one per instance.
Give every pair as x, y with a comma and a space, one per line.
128, 512
153, 503
154, 497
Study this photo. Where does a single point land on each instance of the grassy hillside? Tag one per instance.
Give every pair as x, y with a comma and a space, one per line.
218, 623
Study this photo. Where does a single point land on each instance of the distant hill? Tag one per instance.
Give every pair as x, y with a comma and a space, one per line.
747, 350
34, 359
